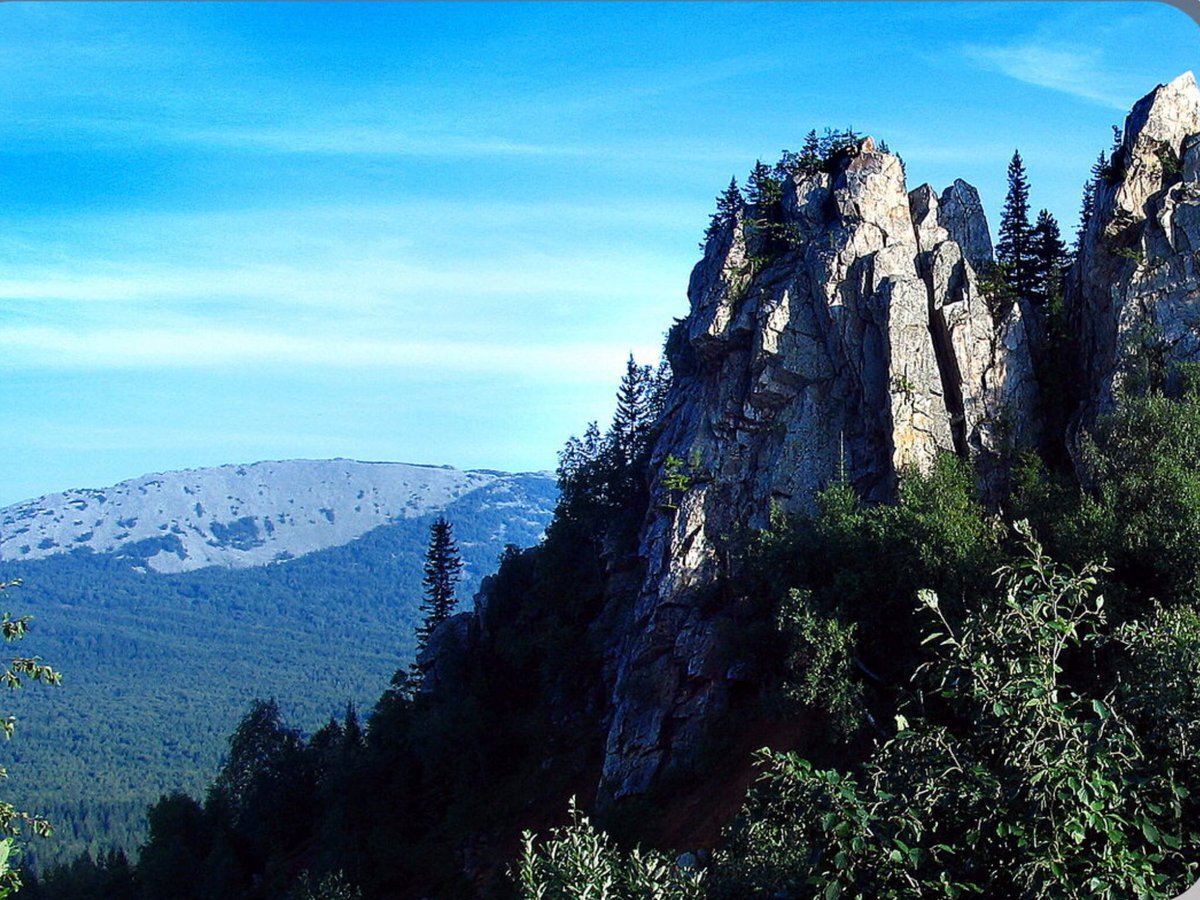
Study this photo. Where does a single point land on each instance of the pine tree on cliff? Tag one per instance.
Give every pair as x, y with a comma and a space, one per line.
1049, 259
729, 204
632, 420
1013, 250
764, 190
810, 153
443, 569
1087, 208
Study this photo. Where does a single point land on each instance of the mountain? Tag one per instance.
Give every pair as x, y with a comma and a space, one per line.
309, 593
239, 515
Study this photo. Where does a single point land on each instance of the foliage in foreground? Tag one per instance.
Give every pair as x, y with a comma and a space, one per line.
1004, 777
1008, 780
579, 861
16, 670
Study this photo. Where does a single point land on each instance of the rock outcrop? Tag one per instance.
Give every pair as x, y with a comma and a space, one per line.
1135, 290
860, 349
845, 332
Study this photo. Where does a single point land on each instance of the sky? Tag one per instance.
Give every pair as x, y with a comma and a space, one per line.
433, 233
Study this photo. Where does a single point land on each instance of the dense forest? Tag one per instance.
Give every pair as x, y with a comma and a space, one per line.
962, 692
159, 668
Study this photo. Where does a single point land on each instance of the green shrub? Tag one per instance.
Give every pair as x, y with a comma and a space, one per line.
578, 861
1003, 778
819, 666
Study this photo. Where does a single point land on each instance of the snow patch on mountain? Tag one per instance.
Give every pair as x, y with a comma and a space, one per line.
239, 515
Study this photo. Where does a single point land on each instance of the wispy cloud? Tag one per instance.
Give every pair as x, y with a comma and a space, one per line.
207, 347
1076, 70
345, 258
382, 140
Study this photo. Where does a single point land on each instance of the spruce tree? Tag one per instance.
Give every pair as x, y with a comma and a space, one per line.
810, 153
729, 204
631, 422
443, 569
764, 190
1087, 209
1013, 250
1049, 259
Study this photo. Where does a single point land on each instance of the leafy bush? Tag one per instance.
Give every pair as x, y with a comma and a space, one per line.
1145, 464
864, 563
1008, 780
819, 666
578, 862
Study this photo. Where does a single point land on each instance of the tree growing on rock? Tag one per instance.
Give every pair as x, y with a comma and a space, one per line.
1049, 259
1014, 249
634, 415
729, 204
443, 570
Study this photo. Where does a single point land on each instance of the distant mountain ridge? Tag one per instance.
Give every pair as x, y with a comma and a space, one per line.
240, 516
168, 627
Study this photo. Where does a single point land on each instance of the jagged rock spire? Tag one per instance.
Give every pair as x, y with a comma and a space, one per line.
862, 349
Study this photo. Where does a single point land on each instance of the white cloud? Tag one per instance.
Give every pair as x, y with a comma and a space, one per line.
208, 347
1076, 70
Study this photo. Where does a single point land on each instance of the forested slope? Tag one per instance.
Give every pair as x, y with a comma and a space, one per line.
159, 668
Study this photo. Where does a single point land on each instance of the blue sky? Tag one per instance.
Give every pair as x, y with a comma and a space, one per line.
433, 233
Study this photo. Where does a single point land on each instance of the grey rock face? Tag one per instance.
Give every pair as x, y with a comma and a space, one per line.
963, 218
862, 349
1138, 286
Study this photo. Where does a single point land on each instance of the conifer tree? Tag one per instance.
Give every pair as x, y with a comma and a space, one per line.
660, 383
352, 734
631, 422
1013, 250
729, 204
1087, 209
1049, 259
765, 193
810, 153
443, 569
763, 190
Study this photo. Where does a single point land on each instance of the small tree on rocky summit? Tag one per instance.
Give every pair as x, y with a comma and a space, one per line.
443, 569
729, 204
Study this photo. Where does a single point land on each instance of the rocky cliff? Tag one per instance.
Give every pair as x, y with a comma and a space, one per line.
862, 346
1134, 287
